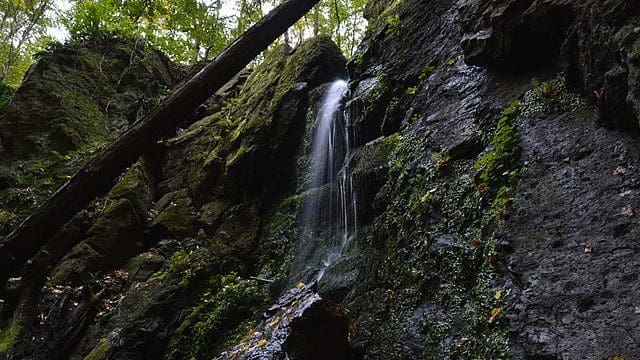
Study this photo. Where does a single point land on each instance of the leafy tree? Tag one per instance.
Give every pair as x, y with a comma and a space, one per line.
23, 23
187, 30
341, 19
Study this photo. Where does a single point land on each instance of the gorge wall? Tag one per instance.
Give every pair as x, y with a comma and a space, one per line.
494, 152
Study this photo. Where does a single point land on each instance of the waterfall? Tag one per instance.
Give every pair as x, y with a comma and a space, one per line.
329, 213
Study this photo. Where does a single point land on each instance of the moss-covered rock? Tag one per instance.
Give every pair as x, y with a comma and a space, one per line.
257, 131
115, 237
72, 102
174, 215
137, 186
225, 312
205, 201
236, 237
84, 93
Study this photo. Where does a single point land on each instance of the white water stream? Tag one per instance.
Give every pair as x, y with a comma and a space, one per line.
329, 158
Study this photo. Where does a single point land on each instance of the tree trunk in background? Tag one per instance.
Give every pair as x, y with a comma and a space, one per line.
101, 173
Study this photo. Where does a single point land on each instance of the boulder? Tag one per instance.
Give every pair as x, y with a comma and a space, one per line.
300, 326
115, 237
82, 94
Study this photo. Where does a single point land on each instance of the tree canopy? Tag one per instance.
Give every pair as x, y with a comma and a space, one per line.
188, 31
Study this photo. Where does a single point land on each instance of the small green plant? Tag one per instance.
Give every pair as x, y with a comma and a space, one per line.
503, 199
412, 90
94, 277
414, 119
495, 164
359, 61
442, 159
394, 23
180, 261
6, 92
48, 49
426, 72
547, 90
552, 94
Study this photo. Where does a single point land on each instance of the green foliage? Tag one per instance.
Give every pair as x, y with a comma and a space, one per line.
381, 88
8, 337
5, 94
48, 49
435, 228
341, 19
550, 95
442, 159
546, 90
187, 30
496, 164
179, 261
394, 23
223, 314
426, 72
35, 180
359, 61
99, 352
22, 32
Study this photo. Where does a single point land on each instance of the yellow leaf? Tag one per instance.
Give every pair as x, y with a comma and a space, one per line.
498, 295
300, 285
275, 321
262, 343
494, 314
391, 294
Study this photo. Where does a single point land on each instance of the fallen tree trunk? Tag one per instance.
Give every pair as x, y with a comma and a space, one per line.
101, 173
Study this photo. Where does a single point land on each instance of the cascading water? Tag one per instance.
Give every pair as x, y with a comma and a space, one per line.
328, 214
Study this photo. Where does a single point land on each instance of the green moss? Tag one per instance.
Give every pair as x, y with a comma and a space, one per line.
29, 182
550, 95
82, 93
174, 215
100, 352
496, 164
136, 186
394, 23
426, 72
359, 61
223, 314
251, 126
436, 229
179, 261
382, 13
274, 248
9, 336
373, 100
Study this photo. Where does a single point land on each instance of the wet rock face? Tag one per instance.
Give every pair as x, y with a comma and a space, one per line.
460, 255
573, 232
596, 40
